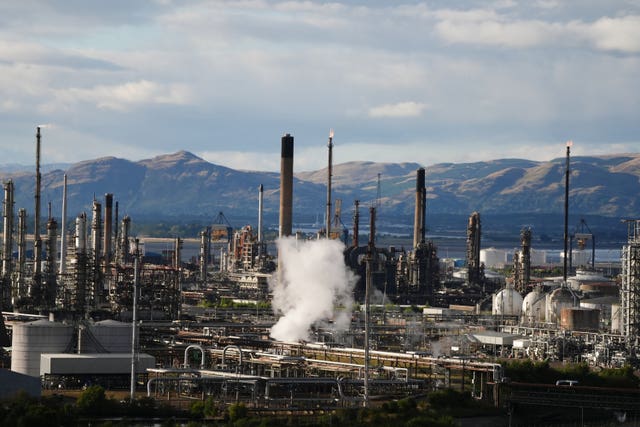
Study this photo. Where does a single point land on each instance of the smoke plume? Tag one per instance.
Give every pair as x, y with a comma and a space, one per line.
314, 280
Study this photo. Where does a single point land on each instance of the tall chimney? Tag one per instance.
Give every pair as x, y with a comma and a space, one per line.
286, 186
329, 173
108, 218
419, 218
356, 224
37, 241
63, 229
260, 212
566, 215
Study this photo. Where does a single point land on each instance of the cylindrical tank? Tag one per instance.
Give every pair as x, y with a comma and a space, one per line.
112, 336
534, 307
492, 257
507, 302
32, 339
580, 319
557, 300
538, 257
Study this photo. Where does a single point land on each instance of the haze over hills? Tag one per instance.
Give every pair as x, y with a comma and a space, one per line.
184, 185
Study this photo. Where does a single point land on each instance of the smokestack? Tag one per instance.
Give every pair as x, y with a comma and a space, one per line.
260, 212
108, 218
356, 224
115, 229
63, 230
37, 242
286, 186
329, 173
566, 214
419, 217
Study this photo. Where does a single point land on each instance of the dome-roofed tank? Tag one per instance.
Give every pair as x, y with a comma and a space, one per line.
534, 307
507, 302
32, 339
557, 300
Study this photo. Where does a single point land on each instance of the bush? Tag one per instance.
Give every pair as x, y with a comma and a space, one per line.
237, 411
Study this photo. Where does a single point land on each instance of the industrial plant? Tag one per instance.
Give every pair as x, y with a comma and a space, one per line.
85, 302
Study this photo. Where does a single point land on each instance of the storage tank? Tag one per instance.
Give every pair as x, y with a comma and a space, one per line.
32, 339
534, 307
538, 257
580, 319
507, 302
108, 335
557, 300
592, 281
492, 257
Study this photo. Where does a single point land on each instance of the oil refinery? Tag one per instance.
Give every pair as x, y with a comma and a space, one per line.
88, 305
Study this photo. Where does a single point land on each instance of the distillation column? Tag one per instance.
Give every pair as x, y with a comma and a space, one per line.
20, 290
7, 245
473, 249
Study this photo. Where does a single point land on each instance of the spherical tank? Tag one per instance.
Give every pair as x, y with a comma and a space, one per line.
507, 302
557, 300
112, 336
534, 307
492, 257
32, 339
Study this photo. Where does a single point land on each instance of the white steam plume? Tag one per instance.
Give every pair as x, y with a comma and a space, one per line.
315, 280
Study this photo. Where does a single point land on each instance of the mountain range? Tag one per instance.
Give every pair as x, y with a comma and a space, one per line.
182, 185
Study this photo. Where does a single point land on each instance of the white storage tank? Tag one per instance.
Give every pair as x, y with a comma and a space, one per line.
493, 258
32, 339
111, 336
507, 302
534, 307
538, 257
557, 300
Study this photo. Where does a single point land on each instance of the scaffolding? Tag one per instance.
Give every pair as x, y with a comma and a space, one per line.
630, 289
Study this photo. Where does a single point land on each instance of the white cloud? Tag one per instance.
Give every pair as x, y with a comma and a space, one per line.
400, 109
123, 96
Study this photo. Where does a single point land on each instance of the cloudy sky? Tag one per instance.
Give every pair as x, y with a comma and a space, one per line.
419, 81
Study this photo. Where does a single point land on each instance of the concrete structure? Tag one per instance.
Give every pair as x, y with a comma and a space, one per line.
93, 364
